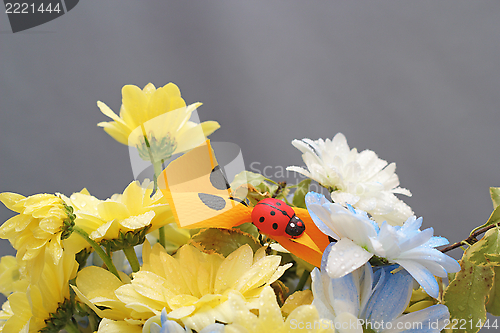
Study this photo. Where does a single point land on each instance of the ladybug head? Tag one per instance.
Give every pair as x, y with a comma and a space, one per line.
295, 228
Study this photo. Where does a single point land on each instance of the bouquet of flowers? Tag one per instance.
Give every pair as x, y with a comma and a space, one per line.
194, 250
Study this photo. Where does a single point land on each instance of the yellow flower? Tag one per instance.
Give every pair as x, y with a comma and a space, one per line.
304, 318
160, 115
31, 310
193, 286
134, 210
42, 221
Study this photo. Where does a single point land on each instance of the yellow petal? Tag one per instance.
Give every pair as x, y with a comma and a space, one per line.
111, 210
95, 281
191, 138
172, 89
10, 199
133, 198
258, 275
269, 311
111, 326
232, 268
158, 104
149, 89
115, 132
108, 112
135, 102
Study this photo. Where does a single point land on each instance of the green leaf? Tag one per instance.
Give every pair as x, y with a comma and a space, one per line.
253, 186
487, 252
489, 244
247, 177
493, 304
300, 193
223, 241
495, 196
249, 228
494, 219
466, 296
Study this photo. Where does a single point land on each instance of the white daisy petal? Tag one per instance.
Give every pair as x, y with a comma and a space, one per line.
344, 257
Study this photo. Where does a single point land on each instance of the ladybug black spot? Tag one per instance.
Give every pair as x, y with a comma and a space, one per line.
261, 219
278, 203
275, 226
272, 213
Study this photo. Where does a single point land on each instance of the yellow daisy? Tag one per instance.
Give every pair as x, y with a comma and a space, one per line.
193, 286
304, 318
159, 115
42, 222
135, 210
31, 308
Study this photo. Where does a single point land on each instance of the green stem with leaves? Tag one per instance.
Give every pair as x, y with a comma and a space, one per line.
98, 249
157, 167
471, 239
132, 258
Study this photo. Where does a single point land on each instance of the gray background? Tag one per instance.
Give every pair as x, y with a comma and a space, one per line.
417, 82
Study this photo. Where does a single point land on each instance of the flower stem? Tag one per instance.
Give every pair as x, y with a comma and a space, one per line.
71, 327
303, 280
471, 239
132, 258
161, 232
157, 166
97, 248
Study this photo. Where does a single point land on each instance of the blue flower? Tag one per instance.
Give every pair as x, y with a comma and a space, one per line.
374, 300
359, 238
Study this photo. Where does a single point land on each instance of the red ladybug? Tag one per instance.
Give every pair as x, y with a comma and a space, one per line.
274, 217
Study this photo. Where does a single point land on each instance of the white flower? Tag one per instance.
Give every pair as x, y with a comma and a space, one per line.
374, 301
359, 238
362, 179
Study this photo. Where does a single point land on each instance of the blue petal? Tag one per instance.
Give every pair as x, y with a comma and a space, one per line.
436, 241
430, 320
154, 328
313, 198
416, 240
423, 276
412, 224
163, 316
322, 293
345, 295
324, 257
390, 296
